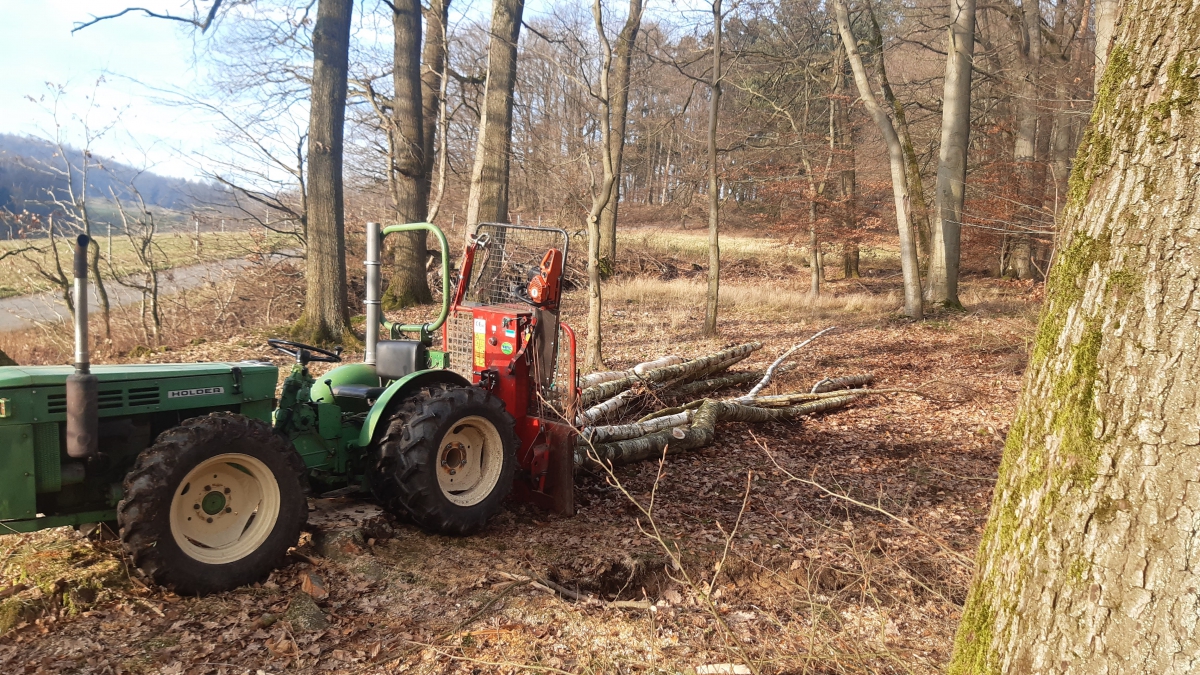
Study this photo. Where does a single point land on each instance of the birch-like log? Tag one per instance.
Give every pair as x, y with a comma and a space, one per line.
621, 432
705, 386
601, 409
701, 431
609, 375
847, 382
589, 397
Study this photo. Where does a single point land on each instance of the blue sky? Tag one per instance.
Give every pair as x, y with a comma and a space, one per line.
130, 53
37, 47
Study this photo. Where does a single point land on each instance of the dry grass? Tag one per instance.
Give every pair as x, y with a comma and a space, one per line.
19, 273
682, 296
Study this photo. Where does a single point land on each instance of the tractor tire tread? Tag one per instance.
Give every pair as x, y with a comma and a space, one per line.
148, 495
409, 444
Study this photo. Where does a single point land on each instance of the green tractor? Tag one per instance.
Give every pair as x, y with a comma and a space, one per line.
206, 474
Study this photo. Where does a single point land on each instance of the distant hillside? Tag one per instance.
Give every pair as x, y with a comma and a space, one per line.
29, 171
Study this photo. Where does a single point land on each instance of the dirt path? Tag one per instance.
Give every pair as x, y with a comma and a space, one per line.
24, 311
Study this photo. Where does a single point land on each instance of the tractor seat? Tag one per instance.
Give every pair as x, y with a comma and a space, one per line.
394, 359
363, 391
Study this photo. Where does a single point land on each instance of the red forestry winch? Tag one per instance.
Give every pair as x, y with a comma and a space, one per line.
504, 334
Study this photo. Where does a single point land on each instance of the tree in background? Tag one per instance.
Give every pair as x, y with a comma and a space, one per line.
896, 162
712, 297
326, 313
434, 101
408, 175
952, 156
1087, 561
488, 197
619, 110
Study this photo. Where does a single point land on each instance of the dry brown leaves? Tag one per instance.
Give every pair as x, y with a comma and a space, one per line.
813, 583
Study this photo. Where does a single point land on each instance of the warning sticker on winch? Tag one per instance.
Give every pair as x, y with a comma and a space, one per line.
480, 342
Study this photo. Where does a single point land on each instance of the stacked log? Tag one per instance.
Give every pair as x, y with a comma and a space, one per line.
692, 424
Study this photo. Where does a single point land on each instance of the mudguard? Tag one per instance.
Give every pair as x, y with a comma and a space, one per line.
398, 391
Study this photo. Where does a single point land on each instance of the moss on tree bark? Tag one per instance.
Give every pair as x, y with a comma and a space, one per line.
1085, 564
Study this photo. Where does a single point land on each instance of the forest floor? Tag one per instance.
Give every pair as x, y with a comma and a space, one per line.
805, 582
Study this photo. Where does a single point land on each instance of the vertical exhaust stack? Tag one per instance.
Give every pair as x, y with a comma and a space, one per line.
83, 413
374, 291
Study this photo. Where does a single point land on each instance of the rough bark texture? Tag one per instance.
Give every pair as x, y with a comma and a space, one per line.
325, 312
908, 249
409, 174
488, 198
714, 185
952, 156
619, 105
1087, 562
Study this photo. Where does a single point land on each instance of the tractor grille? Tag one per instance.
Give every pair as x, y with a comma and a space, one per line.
143, 396
56, 403
108, 399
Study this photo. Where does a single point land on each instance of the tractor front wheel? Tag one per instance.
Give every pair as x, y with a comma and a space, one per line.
447, 459
214, 504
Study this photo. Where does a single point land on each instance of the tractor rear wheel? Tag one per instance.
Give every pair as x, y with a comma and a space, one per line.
447, 459
214, 504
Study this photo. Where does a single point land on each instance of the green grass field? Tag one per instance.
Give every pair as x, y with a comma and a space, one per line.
19, 273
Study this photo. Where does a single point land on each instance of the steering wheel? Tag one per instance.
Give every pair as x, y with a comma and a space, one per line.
306, 353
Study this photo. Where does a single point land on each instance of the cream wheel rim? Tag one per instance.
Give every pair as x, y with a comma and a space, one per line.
470, 457
225, 508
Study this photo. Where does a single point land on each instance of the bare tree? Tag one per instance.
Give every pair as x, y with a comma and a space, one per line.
326, 314
408, 175
488, 198
712, 297
72, 202
140, 228
434, 101
952, 156
896, 161
622, 58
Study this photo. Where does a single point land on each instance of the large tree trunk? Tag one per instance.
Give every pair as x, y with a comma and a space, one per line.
1087, 564
619, 105
325, 315
908, 249
714, 196
488, 198
952, 156
409, 175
